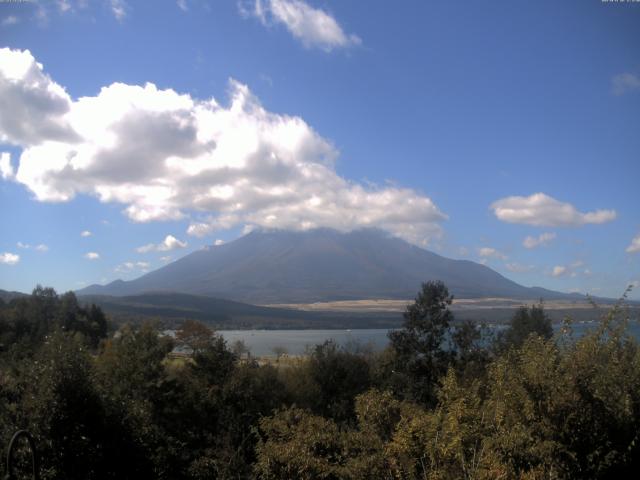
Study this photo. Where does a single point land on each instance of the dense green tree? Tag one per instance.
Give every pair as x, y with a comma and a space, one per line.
329, 380
420, 356
26, 321
62, 409
470, 347
133, 382
526, 321
214, 362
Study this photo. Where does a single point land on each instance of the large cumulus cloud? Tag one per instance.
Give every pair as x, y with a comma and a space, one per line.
165, 155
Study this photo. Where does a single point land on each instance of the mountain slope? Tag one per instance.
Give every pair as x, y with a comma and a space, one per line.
6, 296
319, 265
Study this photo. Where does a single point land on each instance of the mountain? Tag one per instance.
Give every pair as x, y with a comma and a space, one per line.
268, 267
6, 296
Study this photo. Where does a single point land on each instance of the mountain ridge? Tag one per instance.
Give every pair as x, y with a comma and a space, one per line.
268, 267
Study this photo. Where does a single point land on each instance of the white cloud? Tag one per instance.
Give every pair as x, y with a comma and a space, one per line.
131, 266
85, 233
200, 229
9, 258
40, 247
63, 6
491, 252
311, 26
166, 258
164, 156
572, 270
625, 83
182, 4
38, 105
119, 9
92, 256
518, 268
222, 222
634, 246
41, 15
10, 20
169, 243
6, 169
559, 270
541, 240
540, 209
219, 242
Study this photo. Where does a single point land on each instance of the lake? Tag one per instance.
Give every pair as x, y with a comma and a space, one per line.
262, 342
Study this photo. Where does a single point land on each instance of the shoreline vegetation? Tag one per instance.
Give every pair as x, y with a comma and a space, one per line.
111, 400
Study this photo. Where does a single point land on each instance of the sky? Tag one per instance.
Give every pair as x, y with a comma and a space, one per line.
133, 133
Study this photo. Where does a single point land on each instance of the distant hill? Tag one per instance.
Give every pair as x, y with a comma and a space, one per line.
8, 296
266, 267
172, 308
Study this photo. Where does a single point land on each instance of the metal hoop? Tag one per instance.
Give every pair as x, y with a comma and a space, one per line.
34, 454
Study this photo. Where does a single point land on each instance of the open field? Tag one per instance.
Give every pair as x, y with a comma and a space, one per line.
392, 305
486, 310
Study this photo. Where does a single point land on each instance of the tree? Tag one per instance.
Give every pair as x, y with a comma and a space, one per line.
133, 382
526, 321
337, 377
26, 321
194, 335
239, 348
419, 357
279, 351
62, 408
297, 444
471, 352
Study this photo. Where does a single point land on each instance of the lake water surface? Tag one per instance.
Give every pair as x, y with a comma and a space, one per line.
262, 342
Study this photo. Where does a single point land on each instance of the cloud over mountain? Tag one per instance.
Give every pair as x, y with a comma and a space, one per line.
491, 252
169, 243
166, 155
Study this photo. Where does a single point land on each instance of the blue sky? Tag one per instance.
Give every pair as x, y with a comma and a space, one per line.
502, 132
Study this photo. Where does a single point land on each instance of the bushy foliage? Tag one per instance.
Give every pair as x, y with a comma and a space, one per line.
440, 403
545, 409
